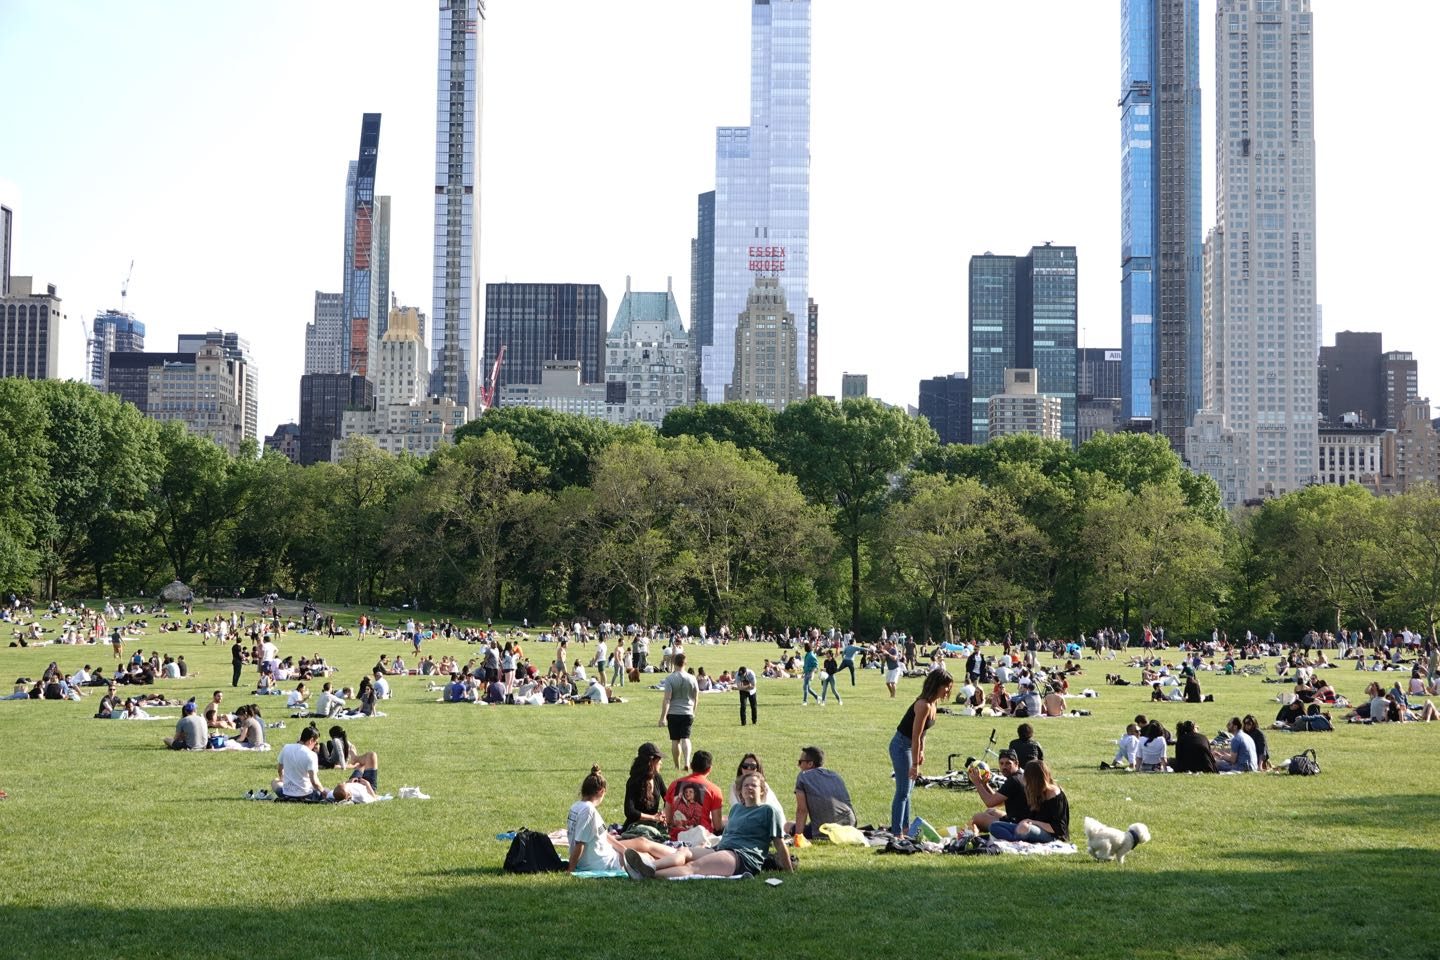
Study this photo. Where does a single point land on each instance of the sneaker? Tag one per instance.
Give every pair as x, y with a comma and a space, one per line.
804, 703
636, 868
822, 703
262, 795
1104, 765
249, 795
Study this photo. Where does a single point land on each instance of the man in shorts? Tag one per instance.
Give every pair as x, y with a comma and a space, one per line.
678, 710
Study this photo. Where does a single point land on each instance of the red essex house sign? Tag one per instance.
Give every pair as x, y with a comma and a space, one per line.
767, 259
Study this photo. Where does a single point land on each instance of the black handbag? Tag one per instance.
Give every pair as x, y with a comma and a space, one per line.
1304, 764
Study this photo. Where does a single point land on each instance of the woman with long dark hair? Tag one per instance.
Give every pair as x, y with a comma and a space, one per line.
1049, 815
907, 746
645, 791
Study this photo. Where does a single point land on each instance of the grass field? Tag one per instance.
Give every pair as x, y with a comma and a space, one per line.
112, 847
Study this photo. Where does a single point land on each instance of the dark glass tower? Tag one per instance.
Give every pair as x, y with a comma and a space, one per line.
1162, 259
1023, 313
536, 322
361, 239
945, 402
702, 279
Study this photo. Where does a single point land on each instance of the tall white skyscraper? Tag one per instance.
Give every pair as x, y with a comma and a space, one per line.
762, 187
325, 335
1260, 298
457, 202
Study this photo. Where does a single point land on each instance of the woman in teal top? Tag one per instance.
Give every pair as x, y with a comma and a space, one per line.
808, 668
753, 825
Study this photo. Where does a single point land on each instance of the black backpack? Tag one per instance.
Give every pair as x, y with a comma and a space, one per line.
532, 852
1304, 764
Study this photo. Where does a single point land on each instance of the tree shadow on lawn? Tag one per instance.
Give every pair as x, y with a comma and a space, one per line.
1244, 905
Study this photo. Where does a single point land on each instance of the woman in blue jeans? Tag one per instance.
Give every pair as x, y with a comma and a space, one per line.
1049, 815
907, 747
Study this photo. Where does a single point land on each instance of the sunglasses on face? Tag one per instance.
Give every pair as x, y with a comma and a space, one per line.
749, 765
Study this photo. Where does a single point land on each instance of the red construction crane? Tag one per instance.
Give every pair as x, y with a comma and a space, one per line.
487, 392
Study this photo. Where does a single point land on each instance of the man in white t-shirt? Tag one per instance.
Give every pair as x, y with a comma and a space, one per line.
381, 685
299, 769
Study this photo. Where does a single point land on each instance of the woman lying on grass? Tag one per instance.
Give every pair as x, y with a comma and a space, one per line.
751, 828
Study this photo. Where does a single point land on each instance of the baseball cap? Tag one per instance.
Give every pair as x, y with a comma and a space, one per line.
648, 749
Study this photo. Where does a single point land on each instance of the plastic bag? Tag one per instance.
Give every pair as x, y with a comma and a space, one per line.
841, 833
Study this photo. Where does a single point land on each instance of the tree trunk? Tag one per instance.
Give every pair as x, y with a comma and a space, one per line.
855, 583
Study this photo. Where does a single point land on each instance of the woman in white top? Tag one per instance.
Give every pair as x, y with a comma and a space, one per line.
1152, 749
592, 846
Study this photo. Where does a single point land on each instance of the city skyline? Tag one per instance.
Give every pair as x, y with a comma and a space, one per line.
932, 193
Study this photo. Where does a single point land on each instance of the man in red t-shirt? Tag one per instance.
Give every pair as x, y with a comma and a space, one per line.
693, 801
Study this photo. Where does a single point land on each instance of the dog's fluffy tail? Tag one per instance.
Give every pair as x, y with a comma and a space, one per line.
1092, 825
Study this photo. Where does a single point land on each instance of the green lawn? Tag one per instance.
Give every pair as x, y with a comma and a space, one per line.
113, 847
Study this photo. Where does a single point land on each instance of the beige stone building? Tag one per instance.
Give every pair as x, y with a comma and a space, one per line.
1021, 408
765, 344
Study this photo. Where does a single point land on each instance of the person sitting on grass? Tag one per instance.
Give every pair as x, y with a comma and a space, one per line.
1025, 745
820, 796
252, 728
189, 731
1054, 703
298, 769
644, 792
338, 753
1192, 751
1048, 815
1241, 756
692, 800
1008, 803
1152, 748
592, 846
741, 851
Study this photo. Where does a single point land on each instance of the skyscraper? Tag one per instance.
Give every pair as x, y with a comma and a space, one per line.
325, 335
762, 187
457, 202
1099, 372
30, 325
537, 322
236, 351
7, 225
381, 274
112, 331
812, 347
945, 402
1161, 255
361, 309
1023, 315
764, 349
702, 279
1349, 379
1262, 300
650, 361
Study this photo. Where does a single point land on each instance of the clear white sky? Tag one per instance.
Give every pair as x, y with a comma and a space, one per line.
208, 143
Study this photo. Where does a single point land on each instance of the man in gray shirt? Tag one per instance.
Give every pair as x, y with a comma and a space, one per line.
678, 711
820, 796
190, 732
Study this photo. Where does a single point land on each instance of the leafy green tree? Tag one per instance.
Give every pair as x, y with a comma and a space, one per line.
563, 443
26, 499
362, 489
1412, 541
959, 546
1154, 552
749, 426
1323, 546
1139, 460
191, 499
846, 457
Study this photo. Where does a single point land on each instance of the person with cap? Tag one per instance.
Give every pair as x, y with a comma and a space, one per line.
1006, 803
190, 732
677, 711
645, 791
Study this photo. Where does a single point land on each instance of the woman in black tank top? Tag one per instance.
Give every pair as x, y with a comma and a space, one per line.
907, 746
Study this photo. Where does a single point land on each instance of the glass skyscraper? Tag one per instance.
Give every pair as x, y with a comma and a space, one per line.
1023, 314
359, 292
112, 331
457, 202
1161, 254
702, 278
762, 187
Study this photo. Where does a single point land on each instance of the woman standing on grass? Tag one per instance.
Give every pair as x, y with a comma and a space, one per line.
907, 746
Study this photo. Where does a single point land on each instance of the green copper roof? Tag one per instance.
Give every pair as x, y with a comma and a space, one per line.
648, 307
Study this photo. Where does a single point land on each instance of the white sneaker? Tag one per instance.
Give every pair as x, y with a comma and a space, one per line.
636, 867
249, 795
822, 703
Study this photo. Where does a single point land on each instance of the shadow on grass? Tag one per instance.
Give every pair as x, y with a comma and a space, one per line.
1004, 907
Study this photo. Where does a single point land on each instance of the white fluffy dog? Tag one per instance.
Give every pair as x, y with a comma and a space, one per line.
1107, 843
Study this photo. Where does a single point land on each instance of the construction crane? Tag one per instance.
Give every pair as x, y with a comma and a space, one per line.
125, 287
87, 331
487, 392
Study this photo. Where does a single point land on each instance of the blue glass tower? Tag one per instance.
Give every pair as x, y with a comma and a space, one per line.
762, 188
358, 297
1161, 256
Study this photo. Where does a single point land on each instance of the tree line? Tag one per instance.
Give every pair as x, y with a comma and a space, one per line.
827, 513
